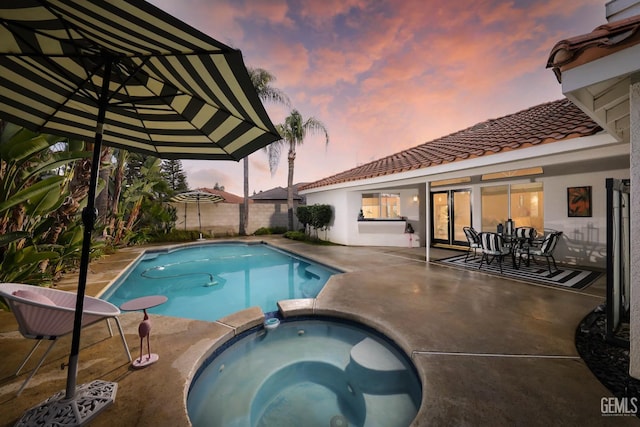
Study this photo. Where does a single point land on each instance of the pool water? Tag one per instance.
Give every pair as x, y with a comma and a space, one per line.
319, 372
210, 281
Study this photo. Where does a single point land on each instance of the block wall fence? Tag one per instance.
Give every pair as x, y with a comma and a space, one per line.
223, 219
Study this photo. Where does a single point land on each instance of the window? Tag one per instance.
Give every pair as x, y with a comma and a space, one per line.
523, 203
527, 203
381, 206
495, 206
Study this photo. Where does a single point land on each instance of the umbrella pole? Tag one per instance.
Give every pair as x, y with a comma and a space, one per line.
199, 221
77, 406
88, 220
89, 215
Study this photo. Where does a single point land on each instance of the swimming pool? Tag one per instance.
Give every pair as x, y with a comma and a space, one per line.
211, 281
311, 372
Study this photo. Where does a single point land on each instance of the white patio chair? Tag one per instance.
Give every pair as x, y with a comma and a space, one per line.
47, 314
526, 234
474, 241
546, 248
493, 247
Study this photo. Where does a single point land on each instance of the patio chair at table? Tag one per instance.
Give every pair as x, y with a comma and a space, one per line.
525, 234
493, 247
545, 249
48, 314
474, 241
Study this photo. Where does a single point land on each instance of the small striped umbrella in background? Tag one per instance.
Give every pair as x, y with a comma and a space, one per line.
126, 74
196, 197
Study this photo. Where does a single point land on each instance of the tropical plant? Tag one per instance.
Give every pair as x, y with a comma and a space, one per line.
261, 80
144, 183
293, 132
36, 203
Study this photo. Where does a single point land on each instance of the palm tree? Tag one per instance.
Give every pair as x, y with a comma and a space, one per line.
261, 80
293, 131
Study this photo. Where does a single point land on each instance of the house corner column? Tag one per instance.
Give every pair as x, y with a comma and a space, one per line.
425, 214
634, 112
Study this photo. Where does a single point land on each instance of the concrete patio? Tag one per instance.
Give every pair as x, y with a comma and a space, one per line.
489, 351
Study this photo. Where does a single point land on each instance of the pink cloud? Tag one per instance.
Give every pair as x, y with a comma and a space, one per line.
388, 75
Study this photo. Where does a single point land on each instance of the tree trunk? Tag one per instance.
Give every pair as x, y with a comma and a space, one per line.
102, 199
118, 178
291, 159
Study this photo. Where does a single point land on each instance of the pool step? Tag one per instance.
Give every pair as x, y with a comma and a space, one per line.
375, 370
315, 271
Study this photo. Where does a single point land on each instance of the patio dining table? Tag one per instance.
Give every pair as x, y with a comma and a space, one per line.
514, 242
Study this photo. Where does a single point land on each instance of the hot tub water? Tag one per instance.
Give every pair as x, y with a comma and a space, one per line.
315, 372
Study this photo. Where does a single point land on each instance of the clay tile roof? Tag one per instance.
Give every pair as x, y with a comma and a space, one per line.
545, 123
604, 40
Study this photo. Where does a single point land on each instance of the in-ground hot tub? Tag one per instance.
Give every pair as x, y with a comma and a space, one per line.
312, 372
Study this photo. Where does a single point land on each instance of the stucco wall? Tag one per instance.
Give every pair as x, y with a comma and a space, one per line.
345, 228
584, 240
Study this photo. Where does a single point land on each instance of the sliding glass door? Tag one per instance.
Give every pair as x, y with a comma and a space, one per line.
451, 211
523, 203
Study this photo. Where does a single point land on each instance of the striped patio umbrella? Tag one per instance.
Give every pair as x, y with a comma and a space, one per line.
196, 197
126, 74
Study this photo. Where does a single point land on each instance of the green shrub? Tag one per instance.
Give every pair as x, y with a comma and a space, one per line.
177, 236
295, 235
304, 215
315, 216
262, 231
278, 230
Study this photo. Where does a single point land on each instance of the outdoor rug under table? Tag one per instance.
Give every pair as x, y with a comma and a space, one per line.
565, 277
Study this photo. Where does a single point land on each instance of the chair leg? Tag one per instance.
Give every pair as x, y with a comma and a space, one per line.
124, 341
24, 384
26, 359
465, 258
549, 264
109, 326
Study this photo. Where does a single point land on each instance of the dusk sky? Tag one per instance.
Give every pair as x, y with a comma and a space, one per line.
384, 76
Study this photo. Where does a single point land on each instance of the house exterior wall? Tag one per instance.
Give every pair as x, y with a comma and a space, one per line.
347, 230
223, 219
583, 242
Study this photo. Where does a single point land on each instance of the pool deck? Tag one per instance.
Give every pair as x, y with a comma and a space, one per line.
490, 351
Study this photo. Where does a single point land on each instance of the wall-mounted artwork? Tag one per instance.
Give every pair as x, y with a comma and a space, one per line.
579, 201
